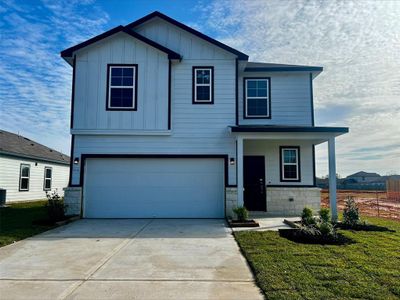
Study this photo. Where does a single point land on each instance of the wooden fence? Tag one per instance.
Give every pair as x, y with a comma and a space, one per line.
393, 189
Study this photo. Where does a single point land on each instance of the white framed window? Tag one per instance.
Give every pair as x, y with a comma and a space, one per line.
290, 163
122, 87
24, 177
257, 100
203, 85
48, 176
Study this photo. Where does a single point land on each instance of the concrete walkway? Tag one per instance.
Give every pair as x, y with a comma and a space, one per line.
128, 259
268, 224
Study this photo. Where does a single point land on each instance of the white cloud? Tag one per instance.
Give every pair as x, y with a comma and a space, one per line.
357, 43
35, 83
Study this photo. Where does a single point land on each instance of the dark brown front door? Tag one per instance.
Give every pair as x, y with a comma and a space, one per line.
254, 183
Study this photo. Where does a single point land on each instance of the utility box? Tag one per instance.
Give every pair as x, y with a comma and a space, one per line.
2, 197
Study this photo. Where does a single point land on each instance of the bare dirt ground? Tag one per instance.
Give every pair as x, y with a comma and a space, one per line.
370, 203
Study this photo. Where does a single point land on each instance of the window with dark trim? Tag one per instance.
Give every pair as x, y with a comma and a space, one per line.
257, 99
203, 85
24, 177
48, 175
290, 163
122, 87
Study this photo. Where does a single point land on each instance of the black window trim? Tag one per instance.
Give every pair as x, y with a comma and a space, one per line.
245, 116
281, 148
45, 178
194, 101
135, 101
20, 177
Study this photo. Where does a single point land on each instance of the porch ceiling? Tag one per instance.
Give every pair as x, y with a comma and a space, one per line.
315, 134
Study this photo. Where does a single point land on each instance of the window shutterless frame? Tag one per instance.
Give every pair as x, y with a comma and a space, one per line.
134, 87
282, 150
24, 177
267, 98
210, 85
48, 178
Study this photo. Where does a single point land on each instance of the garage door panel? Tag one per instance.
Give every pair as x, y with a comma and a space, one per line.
146, 188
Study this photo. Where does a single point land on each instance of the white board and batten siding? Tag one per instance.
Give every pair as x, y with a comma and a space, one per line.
290, 99
10, 176
195, 129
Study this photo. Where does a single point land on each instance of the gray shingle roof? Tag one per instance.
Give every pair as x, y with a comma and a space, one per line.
364, 174
268, 67
14, 144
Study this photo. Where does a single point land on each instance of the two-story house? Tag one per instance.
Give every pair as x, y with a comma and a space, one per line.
167, 122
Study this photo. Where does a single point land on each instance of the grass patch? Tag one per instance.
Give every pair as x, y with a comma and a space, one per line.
17, 221
366, 269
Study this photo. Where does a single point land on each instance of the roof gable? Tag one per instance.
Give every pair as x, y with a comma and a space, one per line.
240, 55
16, 145
67, 53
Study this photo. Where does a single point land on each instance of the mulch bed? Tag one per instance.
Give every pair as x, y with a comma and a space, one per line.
247, 223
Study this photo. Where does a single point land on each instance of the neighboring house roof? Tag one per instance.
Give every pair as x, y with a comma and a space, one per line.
240, 55
67, 53
267, 67
16, 145
363, 174
278, 128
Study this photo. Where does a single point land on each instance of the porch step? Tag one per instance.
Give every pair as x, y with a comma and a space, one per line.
266, 214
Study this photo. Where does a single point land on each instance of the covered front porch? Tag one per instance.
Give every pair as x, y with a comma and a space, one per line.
276, 168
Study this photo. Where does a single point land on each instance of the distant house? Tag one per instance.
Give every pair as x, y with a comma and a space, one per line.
28, 169
364, 177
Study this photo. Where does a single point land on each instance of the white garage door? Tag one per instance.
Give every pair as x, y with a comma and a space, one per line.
154, 188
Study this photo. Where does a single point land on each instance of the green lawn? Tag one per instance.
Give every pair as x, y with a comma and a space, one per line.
367, 269
16, 221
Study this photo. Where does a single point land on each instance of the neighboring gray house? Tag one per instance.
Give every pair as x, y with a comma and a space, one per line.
28, 169
364, 177
168, 122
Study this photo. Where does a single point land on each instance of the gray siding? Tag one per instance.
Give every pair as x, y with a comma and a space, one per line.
196, 129
290, 99
270, 150
91, 86
180, 41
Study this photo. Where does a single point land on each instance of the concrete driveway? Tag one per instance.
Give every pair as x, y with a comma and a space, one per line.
128, 259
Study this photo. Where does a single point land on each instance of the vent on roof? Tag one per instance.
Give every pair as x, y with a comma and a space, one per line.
32, 144
51, 150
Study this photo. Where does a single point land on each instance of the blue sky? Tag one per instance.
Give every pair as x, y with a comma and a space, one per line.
357, 43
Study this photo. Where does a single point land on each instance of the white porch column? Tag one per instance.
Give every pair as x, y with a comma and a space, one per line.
332, 177
239, 153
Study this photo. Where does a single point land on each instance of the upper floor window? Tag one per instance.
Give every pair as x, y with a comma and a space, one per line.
24, 176
290, 163
203, 85
48, 174
122, 87
257, 102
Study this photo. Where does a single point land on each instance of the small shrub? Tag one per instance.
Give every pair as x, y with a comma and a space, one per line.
55, 207
307, 217
327, 229
241, 213
325, 215
351, 215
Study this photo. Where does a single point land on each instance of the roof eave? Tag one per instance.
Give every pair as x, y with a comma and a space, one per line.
33, 157
297, 129
68, 53
284, 69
